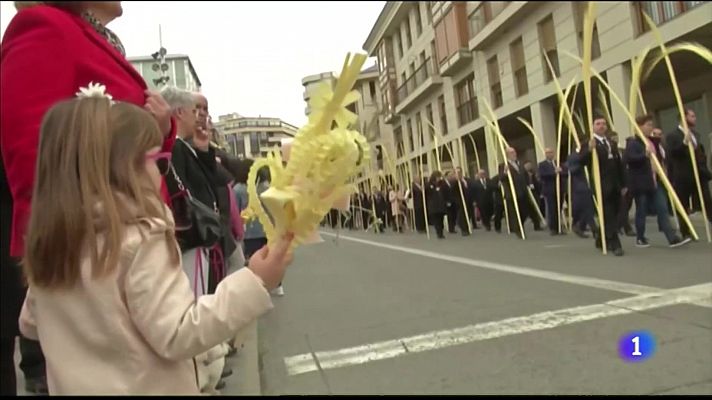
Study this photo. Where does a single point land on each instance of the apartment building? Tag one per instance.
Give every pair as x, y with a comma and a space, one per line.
440, 61
181, 72
249, 137
371, 121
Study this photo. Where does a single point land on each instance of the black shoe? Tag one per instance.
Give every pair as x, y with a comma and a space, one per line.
488, 228
677, 242
220, 385
599, 246
618, 252
498, 230
538, 229
629, 232
465, 234
226, 372
580, 233
441, 236
642, 243
37, 386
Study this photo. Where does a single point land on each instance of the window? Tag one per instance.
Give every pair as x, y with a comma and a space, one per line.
547, 41
372, 90
418, 21
466, 100
409, 132
419, 129
412, 68
240, 146
480, 18
443, 115
519, 68
661, 11
398, 46
398, 137
179, 67
495, 85
403, 79
428, 122
422, 57
580, 8
408, 39
429, 11
254, 143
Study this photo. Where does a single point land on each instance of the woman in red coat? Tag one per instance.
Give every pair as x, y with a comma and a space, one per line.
48, 52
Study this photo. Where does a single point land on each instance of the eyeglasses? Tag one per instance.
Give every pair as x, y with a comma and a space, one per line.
163, 161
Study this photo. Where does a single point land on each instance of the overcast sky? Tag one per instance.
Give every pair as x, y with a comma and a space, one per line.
250, 56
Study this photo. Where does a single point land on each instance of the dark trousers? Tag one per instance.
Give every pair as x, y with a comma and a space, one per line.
498, 215
583, 211
626, 203
252, 245
611, 210
523, 204
552, 211
657, 199
486, 211
684, 191
451, 218
420, 219
438, 223
462, 220
531, 212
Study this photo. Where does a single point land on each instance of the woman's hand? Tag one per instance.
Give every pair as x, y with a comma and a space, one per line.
161, 111
271, 264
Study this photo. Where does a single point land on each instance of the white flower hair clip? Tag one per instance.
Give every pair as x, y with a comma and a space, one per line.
94, 90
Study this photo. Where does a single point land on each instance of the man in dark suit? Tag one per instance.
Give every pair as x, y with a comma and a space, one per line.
417, 193
513, 171
548, 171
612, 180
463, 199
534, 187
483, 191
450, 182
581, 196
683, 175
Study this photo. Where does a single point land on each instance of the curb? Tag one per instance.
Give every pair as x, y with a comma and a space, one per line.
245, 380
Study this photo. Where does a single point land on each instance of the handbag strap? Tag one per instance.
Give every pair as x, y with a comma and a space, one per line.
179, 182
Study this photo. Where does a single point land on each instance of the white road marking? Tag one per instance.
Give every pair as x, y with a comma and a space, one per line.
305, 363
621, 287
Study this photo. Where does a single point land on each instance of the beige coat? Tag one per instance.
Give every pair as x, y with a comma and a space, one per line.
136, 331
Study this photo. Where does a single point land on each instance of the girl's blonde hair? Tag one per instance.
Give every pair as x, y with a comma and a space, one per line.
91, 154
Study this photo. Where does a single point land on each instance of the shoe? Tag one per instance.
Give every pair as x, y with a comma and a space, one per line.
630, 233
539, 229
465, 234
618, 252
677, 242
580, 233
498, 230
226, 372
441, 236
554, 233
279, 291
220, 385
37, 386
642, 243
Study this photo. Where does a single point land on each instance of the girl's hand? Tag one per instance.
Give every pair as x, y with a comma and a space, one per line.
271, 264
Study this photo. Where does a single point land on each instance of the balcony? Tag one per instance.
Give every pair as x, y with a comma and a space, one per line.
462, 58
418, 85
485, 31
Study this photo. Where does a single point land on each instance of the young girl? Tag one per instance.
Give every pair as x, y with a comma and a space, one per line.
108, 299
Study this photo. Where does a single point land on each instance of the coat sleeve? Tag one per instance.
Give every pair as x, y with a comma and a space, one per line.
634, 153
676, 144
38, 70
172, 321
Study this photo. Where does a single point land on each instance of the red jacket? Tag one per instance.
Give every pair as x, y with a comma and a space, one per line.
47, 54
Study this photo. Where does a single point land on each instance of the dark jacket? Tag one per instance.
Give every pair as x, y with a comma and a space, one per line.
611, 169
417, 193
519, 179
577, 171
640, 169
436, 194
679, 159
547, 177
197, 171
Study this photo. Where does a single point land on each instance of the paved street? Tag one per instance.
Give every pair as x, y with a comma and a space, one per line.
488, 314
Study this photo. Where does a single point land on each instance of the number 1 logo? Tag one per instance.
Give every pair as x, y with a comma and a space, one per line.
636, 346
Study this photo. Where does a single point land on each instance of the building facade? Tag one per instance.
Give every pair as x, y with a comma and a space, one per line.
439, 62
180, 71
369, 109
249, 137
